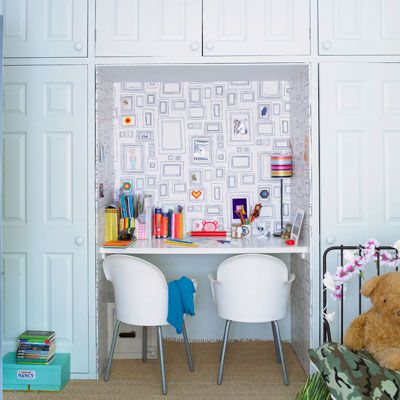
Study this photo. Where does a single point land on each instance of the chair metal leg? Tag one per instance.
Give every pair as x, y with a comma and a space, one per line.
162, 366
281, 355
144, 355
278, 358
187, 348
223, 351
222, 347
112, 348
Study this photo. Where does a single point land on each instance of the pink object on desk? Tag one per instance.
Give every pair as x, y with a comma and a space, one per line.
141, 231
209, 233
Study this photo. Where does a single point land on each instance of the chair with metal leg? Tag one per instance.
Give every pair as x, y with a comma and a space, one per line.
252, 288
141, 299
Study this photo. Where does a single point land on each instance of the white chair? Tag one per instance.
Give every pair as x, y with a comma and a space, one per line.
252, 288
141, 298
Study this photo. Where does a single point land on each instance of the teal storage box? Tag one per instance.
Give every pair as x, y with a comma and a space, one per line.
51, 377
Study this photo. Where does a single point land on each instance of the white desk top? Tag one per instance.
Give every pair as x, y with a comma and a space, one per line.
254, 245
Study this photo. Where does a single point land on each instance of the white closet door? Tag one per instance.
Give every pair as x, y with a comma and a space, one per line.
256, 27
45, 28
349, 27
45, 254
360, 144
148, 27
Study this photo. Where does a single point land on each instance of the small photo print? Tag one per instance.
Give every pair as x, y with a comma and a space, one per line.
240, 127
264, 111
195, 178
128, 120
126, 103
132, 157
237, 205
201, 150
144, 136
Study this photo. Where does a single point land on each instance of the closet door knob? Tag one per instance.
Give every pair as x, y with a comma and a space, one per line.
327, 45
210, 45
194, 46
78, 46
330, 239
79, 240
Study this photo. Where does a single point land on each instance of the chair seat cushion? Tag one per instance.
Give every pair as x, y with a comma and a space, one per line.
351, 376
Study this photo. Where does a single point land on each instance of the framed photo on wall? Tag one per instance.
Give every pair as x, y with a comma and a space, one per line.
297, 223
132, 159
201, 151
240, 127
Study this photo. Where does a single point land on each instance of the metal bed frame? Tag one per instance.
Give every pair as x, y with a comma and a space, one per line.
327, 335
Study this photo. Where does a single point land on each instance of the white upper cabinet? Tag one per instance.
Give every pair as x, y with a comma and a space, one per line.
256, 27
359, 152
148, 28
45, 28
359, 27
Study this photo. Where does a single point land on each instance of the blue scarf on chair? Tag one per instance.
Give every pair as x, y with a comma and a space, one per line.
180, 301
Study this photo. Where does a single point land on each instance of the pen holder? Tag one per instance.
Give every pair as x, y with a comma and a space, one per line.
236, 231
246, 229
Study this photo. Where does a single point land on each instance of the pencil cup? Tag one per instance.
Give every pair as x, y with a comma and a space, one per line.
236, 231
246, 230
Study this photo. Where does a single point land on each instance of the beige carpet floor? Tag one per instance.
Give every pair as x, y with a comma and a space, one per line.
251, 372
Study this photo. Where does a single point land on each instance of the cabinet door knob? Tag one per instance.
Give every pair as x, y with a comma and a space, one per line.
210, 45
78, 46
79, 240
330, 239
194, 46
327, 45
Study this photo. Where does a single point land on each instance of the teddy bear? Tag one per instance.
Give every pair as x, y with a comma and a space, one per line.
378, 329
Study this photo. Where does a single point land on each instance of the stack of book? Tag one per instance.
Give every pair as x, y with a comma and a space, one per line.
36, 347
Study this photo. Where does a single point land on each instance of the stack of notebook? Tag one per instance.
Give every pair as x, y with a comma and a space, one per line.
36, 347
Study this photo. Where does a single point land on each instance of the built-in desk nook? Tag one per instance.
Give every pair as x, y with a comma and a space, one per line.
205, 143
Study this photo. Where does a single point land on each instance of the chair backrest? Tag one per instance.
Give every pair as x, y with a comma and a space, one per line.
252, 288
140, 289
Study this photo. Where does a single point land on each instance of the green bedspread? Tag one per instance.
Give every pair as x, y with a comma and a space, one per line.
354, 376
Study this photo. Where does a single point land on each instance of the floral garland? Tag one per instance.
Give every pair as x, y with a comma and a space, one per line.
355, 266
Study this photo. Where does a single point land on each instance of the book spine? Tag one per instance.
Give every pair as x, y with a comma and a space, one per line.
46, 342
36, 338
35, 347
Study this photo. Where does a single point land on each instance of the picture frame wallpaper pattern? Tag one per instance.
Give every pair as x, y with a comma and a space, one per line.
301, 307
105, 181
203, 144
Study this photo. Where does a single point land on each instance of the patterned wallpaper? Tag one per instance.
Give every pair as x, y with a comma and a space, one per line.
201, 144
104, 197
301, 184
